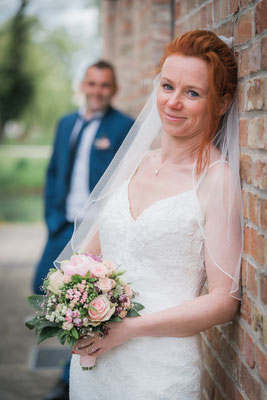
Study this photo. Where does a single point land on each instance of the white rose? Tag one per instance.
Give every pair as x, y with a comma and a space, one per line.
56, 281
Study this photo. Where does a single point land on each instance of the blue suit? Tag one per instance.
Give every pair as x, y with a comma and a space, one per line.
114, 126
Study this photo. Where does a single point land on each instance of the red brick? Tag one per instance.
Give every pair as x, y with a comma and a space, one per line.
245, 310
260, 174
244, 272
240, 338
255, 94
263, 213
245, 203
226, 29
263, 284
255, 57
260, 16
253, 133
234, 7
264, 53
249, 350
250, 385
253, 207
257, 320
206, 16
254, 244
245, 168
243, 67
243, 132
241, 97
217, 10
262, 364
224, 9
244, 28
252, 283
262, 133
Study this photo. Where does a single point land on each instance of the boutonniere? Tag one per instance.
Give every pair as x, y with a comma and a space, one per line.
102, 143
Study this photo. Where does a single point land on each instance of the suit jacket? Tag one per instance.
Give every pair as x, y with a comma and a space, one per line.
114, 126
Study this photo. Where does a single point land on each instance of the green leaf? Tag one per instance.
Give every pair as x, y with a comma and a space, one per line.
74, 333
62, 336
46, 333
32, 323
137, 306
35, 301
132, 313
62, 333
71, 341
76, 278
45, 323
115, 319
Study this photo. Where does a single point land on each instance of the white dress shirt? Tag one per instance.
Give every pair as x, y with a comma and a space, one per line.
79, 190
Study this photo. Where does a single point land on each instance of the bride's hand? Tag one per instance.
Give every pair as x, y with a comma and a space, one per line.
118, 333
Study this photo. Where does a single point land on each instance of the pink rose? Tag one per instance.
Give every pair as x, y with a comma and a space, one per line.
103, 309
99, 270
106, 284
78, 264
128, 291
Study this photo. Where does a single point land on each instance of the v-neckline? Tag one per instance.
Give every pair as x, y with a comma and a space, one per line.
146, 209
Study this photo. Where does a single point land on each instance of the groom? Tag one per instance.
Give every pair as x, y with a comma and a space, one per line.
85, 143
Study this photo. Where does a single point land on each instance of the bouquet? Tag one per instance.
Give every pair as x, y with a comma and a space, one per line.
79, 299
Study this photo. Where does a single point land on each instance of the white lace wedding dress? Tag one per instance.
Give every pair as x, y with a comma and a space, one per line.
163, 254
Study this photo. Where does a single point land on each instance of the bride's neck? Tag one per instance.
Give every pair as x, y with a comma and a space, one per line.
179, 150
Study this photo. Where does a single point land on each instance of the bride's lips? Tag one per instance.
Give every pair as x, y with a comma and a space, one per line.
174, 117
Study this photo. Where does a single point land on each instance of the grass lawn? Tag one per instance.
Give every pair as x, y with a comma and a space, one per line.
21, 183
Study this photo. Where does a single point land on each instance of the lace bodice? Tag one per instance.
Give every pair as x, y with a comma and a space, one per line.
162, 252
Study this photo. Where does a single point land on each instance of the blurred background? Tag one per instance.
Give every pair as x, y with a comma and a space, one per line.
45, 47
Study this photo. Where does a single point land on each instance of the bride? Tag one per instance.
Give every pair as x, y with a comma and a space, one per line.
171, 217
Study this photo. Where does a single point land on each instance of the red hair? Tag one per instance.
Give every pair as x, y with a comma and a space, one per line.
222, 78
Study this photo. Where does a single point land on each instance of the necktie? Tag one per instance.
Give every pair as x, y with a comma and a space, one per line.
74, 147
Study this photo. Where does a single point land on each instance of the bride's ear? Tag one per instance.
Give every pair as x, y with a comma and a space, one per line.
225, 103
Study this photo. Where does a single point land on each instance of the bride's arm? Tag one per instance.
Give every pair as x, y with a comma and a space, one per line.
94, 246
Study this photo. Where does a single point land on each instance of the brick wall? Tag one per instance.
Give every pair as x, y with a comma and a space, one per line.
135, 32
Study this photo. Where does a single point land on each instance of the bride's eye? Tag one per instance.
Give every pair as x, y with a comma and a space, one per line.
192, 93
167, 86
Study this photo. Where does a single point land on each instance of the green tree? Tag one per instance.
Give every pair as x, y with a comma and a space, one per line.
17, 85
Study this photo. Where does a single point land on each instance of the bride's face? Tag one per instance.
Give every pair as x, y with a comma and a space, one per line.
182, 96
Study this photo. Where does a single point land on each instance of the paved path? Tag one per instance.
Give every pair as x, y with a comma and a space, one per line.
20, 247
